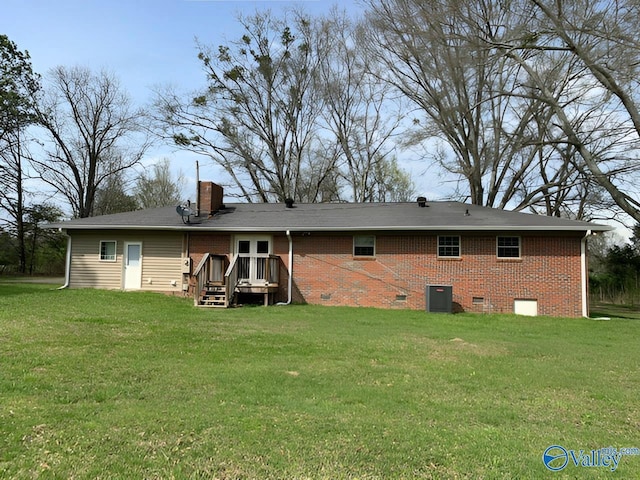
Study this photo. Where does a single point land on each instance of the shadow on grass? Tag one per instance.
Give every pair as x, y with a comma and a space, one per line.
57, 280
8, 287
629, 312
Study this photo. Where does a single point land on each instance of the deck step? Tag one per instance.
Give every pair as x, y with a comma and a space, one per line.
215, 288
213, 296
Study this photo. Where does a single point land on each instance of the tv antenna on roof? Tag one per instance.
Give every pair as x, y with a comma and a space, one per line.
185, 212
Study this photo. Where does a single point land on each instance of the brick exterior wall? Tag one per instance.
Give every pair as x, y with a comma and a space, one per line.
326, 272
201, 243
209, 198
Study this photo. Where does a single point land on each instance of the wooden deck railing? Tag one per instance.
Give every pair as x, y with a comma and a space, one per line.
202, 275
211, 271
231, 280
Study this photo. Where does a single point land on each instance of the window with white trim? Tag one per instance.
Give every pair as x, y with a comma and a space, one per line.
364, 245
108, 250
508, 247
448, 246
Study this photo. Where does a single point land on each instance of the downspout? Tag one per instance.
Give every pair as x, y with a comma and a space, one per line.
67, 266
290, 281
584, 274
197, 189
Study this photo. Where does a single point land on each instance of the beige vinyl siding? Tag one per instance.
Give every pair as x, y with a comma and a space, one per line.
87, 270
161, 260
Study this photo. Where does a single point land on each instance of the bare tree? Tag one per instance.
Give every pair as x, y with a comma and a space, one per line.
290, 111
158, 188
113, 196
360, 114
257, 117
425, 53
481, 102
93, 134
602, 43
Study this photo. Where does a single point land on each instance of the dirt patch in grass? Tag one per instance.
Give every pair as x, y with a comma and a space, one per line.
456, 347
482, 350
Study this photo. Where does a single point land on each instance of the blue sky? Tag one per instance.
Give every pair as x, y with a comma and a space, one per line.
147, 43
144, 42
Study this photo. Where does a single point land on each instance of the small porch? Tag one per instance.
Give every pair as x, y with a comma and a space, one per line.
219, 280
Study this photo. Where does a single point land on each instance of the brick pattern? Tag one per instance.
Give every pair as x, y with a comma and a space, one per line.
548, 271
201, 243
326, 272
209, 198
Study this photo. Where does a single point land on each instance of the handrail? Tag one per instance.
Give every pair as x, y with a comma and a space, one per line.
202, 274
231, 280
201, 264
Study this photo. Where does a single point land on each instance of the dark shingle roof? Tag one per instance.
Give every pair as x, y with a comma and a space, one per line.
257, 217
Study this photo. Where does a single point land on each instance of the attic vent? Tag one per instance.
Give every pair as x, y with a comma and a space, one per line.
422, 201
288, 202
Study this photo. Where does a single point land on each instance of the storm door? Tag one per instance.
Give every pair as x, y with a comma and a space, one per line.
132, 266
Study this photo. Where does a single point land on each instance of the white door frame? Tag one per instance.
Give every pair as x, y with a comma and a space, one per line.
131, 271
253, 255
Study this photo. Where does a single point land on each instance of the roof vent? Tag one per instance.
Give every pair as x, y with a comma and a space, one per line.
422, 202
288, 202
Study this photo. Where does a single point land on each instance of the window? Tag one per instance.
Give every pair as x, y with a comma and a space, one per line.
364, 245
244, 246
262, 247
449, 246
508, 247
108, 250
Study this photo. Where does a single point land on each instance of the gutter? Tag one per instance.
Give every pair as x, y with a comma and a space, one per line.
290, 281
67, 265
584, 274
369, 228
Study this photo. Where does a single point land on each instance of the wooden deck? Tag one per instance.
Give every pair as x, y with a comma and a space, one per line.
218, 283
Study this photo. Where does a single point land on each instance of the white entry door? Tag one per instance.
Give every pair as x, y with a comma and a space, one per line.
132, 266
253, 252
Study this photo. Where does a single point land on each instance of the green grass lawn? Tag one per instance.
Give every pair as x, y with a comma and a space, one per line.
97, 384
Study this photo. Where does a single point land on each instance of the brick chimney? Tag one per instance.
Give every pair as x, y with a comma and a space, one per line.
209, 198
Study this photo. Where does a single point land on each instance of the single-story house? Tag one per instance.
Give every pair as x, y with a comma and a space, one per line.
439, 256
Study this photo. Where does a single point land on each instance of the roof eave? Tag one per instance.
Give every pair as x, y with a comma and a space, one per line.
406, 228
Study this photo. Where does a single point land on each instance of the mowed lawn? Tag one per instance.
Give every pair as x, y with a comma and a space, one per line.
97, 384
